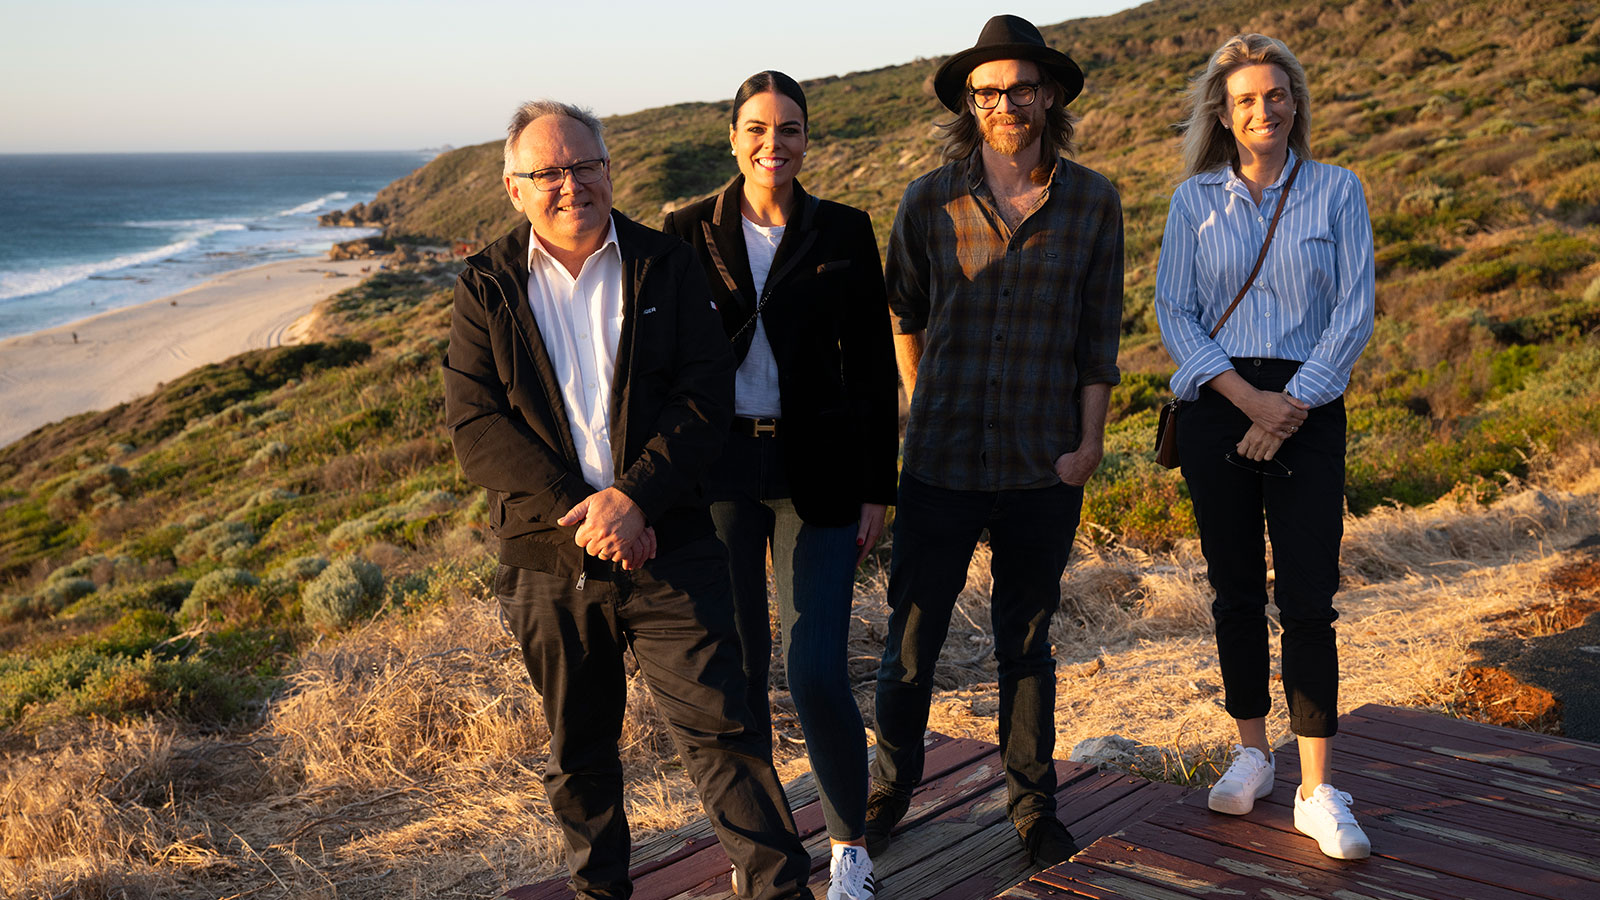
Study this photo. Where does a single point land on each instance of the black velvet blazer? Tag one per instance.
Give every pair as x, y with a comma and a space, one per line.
827, 319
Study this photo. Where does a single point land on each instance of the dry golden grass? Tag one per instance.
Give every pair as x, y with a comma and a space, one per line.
404, 758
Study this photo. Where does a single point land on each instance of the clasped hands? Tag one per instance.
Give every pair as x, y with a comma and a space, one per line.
1274, 418
612, 527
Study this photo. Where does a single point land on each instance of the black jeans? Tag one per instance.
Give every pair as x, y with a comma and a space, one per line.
935, 532
1304, 514
675, 615
814, 573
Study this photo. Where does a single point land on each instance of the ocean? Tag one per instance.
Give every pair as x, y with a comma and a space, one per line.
84, 233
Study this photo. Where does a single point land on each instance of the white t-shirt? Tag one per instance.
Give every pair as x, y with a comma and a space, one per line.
580, 320
755, 385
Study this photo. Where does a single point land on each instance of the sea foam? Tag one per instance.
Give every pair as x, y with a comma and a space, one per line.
39, 281
312, 206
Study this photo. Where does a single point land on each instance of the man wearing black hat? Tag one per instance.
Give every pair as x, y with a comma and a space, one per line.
1005, 278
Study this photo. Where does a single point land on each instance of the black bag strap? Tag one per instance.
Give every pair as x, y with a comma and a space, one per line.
1262, 256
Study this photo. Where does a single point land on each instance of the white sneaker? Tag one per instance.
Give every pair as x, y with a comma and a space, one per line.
1249, 778
850, 874
1326, 817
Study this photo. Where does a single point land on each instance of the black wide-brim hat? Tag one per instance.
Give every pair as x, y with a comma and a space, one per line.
1005, 37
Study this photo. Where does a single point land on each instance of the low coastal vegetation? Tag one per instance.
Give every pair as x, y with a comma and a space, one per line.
244, 620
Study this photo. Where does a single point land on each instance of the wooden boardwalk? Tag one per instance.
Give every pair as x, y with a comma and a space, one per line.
1454, 809
955, 842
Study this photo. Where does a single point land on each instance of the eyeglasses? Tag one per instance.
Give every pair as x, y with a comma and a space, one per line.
1268, 467
584, 171
1019, 94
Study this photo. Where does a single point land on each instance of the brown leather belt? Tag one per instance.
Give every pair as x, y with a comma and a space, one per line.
747, 427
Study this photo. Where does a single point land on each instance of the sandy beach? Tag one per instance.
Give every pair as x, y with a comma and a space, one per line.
116, 356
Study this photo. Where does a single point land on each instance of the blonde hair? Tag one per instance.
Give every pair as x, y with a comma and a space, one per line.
1207, 143
961, 137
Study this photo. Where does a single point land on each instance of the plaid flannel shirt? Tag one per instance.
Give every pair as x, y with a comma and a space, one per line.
1016, 322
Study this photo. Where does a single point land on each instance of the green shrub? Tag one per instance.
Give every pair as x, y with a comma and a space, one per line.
405, 520
268, 454
73, 495
62, 591
298, 569
344, 591
26, 681
214, 541
194, 690
213, 588
166, 595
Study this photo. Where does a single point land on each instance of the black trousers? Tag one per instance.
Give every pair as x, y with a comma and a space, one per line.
1304, 515
676, 615
935, 532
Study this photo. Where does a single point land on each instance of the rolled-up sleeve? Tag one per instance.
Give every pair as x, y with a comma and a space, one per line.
907, 271
1326, 372
1178, 303
1100, 318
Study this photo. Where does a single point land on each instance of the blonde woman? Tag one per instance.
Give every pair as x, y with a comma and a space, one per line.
1263, 433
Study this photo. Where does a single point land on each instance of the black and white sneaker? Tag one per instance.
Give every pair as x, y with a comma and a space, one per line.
850, 874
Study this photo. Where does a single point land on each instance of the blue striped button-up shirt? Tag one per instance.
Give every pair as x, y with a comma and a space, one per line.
1312, 301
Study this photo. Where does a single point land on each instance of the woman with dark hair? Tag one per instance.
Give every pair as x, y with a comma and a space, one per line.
1264, 294
810, 467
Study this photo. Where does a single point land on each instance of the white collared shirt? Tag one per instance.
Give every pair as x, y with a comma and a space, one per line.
580, 320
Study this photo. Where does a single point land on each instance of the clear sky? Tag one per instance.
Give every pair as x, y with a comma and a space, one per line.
169, 75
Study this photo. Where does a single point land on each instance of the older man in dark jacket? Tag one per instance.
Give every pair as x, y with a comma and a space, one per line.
587, 386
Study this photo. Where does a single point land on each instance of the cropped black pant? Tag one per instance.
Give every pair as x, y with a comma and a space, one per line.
1304, 516
676, 615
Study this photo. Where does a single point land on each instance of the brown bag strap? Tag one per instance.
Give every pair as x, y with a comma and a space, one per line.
1262, 256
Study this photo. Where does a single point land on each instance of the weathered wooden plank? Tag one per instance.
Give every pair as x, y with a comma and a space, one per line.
1431, 850
1103, 885
1559, 802
1493, 791
695, 865
1063, 876
976, 838
1287, 863
1537, 795
1468, 749
1053, 884
1565, 748
989, 859
1145, 798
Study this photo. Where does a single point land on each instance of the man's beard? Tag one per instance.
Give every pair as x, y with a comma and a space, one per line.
1011, 142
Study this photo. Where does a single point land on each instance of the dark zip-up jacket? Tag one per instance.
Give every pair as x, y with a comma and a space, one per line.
827, 319
672, 397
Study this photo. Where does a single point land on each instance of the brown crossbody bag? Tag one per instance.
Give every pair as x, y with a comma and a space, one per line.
1167, 425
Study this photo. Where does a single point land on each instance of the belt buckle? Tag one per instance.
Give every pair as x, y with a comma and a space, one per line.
765, 427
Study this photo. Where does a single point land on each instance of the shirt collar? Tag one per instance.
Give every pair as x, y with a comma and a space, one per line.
536, 246
1227, 177
975, 170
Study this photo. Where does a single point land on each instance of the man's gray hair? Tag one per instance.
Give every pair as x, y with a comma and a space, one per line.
538, 109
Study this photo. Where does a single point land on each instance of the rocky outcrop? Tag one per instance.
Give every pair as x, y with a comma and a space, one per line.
360, 248
362, 215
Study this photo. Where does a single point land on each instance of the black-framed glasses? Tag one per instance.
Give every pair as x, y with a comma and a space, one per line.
1271, 468
584, 171
1019, 94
